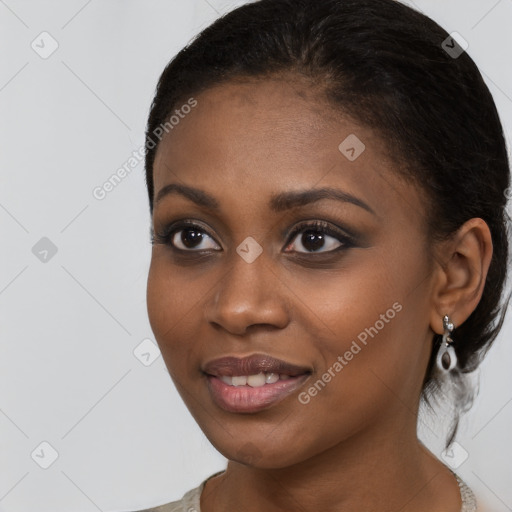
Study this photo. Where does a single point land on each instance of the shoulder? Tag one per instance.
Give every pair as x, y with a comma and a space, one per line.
183, 505
190, 502
470, 501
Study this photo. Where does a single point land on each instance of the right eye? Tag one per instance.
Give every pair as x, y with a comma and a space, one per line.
186, 237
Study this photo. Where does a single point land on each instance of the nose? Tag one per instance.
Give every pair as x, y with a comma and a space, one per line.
248, 295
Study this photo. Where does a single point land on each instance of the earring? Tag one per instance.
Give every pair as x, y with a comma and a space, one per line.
446, 357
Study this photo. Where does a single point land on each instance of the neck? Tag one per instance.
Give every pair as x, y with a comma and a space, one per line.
369, 471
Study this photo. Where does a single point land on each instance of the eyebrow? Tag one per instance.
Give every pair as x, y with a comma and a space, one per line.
278, 202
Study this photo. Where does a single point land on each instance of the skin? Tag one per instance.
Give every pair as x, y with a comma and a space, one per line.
354, 446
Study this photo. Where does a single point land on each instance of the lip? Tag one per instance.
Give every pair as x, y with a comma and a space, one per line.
246, 399
251, 365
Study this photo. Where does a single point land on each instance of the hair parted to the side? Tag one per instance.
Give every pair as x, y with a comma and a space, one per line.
381, 63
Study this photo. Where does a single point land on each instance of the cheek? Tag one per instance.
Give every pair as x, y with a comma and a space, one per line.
167, 304
379, 326
371, 311
345, 304
170, 297
159, 299
175, 301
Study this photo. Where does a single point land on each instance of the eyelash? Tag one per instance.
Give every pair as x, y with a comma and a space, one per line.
326, 229
167, 234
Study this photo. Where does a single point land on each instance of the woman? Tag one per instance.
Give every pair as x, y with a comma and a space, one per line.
327, 182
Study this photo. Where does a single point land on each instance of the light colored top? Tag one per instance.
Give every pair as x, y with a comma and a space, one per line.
190, 502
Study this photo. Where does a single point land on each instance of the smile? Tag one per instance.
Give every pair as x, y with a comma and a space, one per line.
253, 393
254, 381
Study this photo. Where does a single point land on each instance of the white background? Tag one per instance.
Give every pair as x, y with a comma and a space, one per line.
68, 374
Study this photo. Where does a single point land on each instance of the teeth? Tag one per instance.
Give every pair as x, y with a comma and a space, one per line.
227, 380
270, 378
239, 380
254, 381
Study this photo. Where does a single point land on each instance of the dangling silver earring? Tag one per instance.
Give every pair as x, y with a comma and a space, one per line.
446, 357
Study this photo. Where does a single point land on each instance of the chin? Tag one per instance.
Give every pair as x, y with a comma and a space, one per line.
259, 455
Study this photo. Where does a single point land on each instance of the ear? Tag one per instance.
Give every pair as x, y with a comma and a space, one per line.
461, 270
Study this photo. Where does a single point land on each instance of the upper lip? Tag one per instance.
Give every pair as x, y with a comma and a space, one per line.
252, 365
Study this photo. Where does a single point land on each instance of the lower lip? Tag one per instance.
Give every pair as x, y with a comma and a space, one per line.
248, 399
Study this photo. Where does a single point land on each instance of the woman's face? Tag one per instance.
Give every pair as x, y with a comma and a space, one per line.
348, 300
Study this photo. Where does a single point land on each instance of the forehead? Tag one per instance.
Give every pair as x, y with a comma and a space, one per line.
268, 135
254, 115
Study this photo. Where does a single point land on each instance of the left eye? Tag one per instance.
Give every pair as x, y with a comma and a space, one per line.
315, 239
